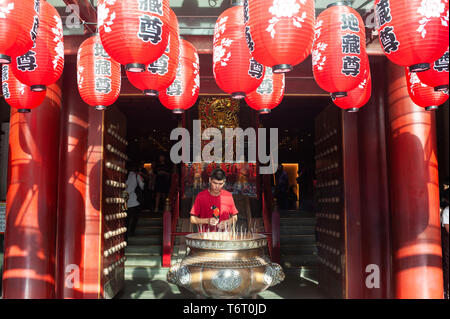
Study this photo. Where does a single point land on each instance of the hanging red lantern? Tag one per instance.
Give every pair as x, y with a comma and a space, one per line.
183, 92
134, 33
19, 95
437, 75
279, 34
339, 50
423, 95
269, 94
44, 63
235, 70
413, 33
19, 22
160, 74
98, 75
358, 97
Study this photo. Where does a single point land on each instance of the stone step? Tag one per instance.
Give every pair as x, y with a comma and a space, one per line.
296, 214
145, 240
297, 230
143, 260
149, 230
297, 239
299, 260
149, 221
297, 222
305, 249
310, 272
155, 250
143, 272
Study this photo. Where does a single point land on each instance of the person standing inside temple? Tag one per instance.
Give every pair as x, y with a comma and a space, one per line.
162, 181
214, 208
135, 188
282, 187
146, 192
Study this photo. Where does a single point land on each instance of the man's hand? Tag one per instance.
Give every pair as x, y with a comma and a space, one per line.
213, 221
222, 225
227, 223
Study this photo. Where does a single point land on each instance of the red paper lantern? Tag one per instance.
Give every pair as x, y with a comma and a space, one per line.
437, 75
235, 70
19, 22
279, 34
358, 97
160, 74
44, 63
183, 92
19, 95
98, 75
339, 50
134, 33
413, 33
423, 95
269, 94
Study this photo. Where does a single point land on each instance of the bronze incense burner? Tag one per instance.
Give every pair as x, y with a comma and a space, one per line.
226, 265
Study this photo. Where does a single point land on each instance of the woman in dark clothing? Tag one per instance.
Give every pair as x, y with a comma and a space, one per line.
162, 182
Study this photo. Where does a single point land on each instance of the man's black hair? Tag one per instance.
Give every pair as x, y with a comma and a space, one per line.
218, 174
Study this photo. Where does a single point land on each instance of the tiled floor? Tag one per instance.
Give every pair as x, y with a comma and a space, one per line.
293, 287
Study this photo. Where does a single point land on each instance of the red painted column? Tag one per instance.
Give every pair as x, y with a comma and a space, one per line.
29, 265
352, 207
374, 194
72, 189
92, 262
79, 237
414, 193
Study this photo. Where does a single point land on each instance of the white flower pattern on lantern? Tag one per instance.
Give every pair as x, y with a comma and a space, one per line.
103, 14
363, 84
197, 62
414, 79
6, 10
444, 18
285, 9
22, 89
430, 9
59, 49
220, 28
220, 52
80, 77
80, 69
196, 84
317, 57
196, 65
318, 29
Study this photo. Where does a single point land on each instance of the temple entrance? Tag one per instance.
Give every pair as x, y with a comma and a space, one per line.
149, 137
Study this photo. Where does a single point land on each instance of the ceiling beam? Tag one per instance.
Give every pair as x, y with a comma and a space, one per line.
87, 14
203, 44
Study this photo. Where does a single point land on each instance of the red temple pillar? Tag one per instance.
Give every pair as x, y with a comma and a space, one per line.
374, 194
79, 257
414, 193
72, 189
29, 265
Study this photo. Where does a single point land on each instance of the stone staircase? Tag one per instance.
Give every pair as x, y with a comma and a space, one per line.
144, 276
298, 244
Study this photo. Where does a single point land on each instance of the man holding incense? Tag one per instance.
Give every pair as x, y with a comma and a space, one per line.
214, 207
